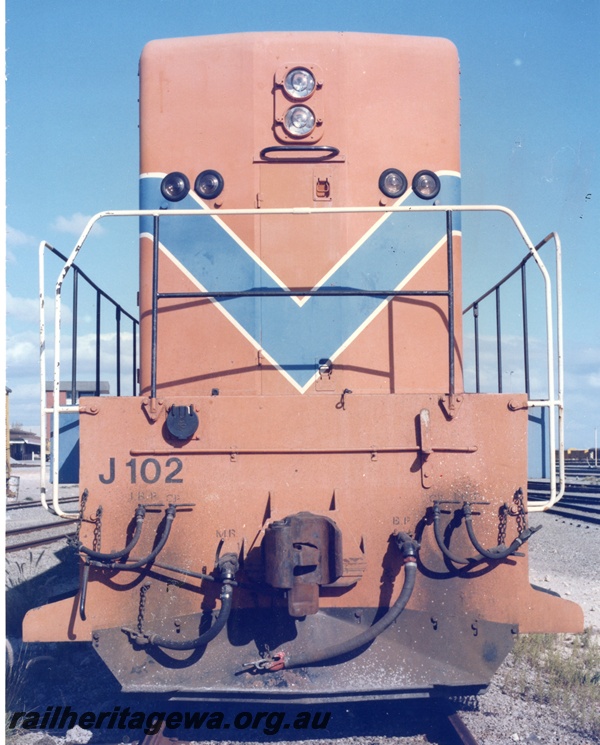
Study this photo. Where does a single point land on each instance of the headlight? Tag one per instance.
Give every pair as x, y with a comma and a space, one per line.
299, 83
299, 121
393, 183
426, 185
209, 184
175, 186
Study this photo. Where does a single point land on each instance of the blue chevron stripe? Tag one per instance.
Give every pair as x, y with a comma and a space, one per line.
296, 336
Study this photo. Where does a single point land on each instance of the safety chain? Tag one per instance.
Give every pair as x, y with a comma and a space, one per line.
142, 609
502, 524
75, 540
98, 529
518, 510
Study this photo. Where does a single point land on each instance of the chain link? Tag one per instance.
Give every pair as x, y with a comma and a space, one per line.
502, 524
142, 609
76, 539
98, 529
519, 511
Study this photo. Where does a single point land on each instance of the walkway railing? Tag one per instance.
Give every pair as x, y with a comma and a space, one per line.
56, 409
553, 401
553, 406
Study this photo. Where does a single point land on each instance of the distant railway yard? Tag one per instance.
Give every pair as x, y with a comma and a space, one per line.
519, 706
581, 500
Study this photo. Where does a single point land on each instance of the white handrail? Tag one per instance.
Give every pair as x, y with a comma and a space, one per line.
555, 403
55, 410
552, 402
43, 432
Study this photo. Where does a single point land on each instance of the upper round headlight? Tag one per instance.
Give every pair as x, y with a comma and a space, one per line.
299, 83
393, 183
299, 120
175, 186
209, 184
426, 185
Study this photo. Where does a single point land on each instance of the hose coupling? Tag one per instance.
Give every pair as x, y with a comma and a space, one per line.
408, 547
136, 637
228, 566
267, 664
527, 533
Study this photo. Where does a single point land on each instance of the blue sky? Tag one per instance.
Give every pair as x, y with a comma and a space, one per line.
529, 86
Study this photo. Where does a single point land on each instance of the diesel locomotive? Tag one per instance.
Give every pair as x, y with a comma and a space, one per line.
301, 501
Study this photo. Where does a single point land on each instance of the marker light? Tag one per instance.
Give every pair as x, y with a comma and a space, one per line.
393, 183
209, 184
299, 121
299, 83
426, 185
175, 186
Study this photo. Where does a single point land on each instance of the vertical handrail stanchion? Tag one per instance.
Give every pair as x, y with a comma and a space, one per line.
499, 339
43, 402
155, 244
98, 334
74, 336
525, 331
476, 334
134, 374
450, 302
560, 371
118, 322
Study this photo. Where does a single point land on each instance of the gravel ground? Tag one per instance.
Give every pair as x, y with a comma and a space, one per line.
564, 557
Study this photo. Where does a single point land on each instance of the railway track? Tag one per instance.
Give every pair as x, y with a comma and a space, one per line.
41, 535
36, 503
462, 731
581, 501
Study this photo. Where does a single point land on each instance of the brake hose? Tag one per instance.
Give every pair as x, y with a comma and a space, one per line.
281, 660
170, 513
140, 514
498, 552
227, 566
439, 538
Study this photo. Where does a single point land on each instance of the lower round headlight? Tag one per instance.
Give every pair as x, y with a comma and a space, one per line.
209, 184
175, 186
393, 183
426, 184
299, 121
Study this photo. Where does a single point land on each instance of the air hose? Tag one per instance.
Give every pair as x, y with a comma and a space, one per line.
137, 563
140, 514
497, 552
281, 660
227, 566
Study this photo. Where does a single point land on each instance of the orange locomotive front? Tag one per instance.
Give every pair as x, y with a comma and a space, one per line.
303, 502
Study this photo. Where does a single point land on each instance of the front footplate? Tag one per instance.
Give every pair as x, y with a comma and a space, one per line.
415, 656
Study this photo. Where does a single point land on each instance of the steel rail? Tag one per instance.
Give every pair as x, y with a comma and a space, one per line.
25, 505
461, 729
33, 528
38, 542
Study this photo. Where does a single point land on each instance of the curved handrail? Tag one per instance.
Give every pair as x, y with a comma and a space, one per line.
551, 402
